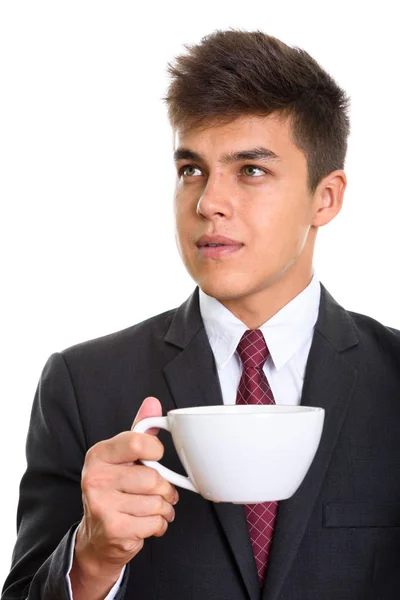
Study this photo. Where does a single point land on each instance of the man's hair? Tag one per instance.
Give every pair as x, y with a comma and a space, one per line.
234, 73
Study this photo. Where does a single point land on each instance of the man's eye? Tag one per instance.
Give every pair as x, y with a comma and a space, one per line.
190, 171
252, 171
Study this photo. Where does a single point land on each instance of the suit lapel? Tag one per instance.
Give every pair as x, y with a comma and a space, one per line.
193, 381
329, 382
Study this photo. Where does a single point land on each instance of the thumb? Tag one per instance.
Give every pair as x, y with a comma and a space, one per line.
150, 407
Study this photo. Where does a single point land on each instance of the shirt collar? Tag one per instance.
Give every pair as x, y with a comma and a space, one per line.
284, 333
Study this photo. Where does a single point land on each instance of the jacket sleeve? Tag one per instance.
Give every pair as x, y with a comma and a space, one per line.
50, 500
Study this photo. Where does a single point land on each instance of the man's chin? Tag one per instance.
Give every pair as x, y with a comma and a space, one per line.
223, 292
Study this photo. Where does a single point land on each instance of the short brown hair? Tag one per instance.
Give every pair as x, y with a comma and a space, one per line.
233, 73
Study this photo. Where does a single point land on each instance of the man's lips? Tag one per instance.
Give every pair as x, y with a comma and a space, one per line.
214, 240
216, 246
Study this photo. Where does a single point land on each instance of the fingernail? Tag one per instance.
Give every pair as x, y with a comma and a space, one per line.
175, 500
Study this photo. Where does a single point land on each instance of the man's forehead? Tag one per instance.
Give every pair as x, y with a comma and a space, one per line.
247, 133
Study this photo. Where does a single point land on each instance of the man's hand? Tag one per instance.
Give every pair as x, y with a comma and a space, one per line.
124, 503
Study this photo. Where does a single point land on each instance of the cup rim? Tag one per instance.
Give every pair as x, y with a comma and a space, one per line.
225, 410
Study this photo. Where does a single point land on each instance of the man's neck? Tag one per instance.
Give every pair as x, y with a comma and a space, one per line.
257, 308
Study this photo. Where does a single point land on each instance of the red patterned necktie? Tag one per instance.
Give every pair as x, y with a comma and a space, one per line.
254, 389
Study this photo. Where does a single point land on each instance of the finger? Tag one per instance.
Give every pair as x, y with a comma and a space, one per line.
137, 528
123, 529
130, 480
144, 506
150, 407
138, 479
126, 447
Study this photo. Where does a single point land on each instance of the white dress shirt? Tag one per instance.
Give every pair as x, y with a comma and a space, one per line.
288, 335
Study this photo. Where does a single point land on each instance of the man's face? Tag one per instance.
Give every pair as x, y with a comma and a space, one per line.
242, 186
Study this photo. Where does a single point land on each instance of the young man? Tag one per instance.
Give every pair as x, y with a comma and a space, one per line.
260, 142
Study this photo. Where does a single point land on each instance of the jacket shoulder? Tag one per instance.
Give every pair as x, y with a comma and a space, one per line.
370, 329
125, 340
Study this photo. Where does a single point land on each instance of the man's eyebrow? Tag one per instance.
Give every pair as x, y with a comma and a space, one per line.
186, 154
259, 153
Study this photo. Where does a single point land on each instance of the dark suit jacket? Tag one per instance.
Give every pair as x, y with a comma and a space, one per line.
337, 538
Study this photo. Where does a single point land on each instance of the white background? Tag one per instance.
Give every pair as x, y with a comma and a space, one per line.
86, 174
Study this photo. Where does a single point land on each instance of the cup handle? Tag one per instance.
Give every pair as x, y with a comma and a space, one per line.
180, 480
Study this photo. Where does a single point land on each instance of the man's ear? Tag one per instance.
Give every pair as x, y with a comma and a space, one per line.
329, 197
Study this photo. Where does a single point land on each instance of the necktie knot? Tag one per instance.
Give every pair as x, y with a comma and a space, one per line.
252, 349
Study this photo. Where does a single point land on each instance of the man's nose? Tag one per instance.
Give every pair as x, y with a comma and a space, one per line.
216, 199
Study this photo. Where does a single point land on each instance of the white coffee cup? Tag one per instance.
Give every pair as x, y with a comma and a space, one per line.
240, 453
